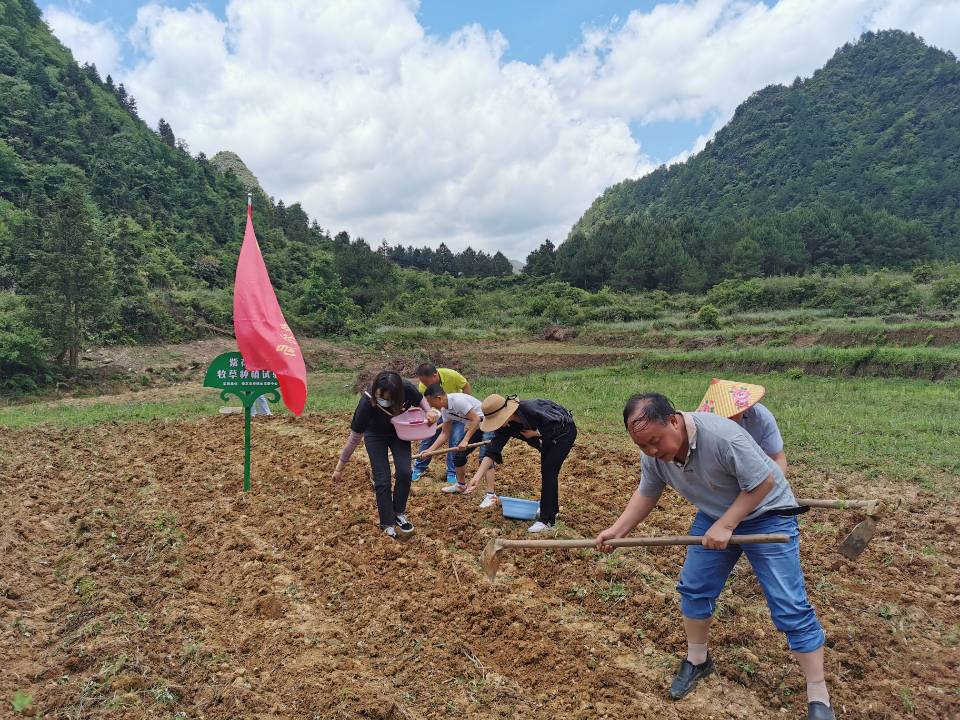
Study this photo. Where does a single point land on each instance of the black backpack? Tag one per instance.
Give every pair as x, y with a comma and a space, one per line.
553, 412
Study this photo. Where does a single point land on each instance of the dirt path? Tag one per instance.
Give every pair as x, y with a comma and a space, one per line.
139, 583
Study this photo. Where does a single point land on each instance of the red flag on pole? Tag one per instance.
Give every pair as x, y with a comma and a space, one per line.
263, 336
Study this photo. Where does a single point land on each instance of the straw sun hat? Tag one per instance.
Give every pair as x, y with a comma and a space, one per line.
728, 398
496, 410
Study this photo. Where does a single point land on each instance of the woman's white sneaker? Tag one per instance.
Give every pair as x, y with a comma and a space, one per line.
539, 527
455, 488
489, 500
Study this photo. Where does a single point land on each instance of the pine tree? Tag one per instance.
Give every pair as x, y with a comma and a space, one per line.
166, 133
466, 262
542, 261
443, 261
322, 303
501, 265
91, 70
70, 274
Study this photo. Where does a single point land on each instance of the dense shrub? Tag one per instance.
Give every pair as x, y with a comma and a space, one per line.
946, 292
203, 310
22, 346
709, 317
844, 293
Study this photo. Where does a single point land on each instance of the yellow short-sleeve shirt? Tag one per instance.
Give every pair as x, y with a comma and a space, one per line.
450, 380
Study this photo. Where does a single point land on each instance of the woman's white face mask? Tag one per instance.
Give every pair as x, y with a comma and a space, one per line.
383, 402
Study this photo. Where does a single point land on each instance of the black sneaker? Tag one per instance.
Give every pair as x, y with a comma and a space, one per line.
816, 710
404, 528
390, 531
687, 677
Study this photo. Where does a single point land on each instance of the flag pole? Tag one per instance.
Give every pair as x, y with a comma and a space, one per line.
246, 405
246, 448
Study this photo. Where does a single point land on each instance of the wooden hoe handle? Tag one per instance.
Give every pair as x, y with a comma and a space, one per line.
642, 541
870, 506
447, 450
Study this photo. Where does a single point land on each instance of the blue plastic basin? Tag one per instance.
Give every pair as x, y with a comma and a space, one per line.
519, 509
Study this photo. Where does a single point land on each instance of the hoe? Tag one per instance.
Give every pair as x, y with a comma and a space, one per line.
856, 542
444, 451
851, 547
494, 549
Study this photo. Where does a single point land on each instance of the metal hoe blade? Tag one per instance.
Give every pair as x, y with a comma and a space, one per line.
491, 559
856, 542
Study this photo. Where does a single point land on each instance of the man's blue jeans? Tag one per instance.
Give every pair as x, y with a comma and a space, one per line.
777, 567
457, 431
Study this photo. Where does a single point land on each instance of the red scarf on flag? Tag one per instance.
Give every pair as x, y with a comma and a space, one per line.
263, 336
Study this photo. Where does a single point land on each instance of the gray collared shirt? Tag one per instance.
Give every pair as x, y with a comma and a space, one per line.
760, 424
722, 461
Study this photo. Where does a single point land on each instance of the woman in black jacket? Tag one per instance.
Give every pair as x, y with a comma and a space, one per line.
388, 396
542, 424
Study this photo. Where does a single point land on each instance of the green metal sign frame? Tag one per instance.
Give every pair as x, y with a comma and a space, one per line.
228, 374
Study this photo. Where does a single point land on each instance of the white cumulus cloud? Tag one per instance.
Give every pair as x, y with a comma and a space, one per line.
377, 127
95, 43
684, 61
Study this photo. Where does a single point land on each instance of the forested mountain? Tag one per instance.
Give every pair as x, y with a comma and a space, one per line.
857, 165
112, 232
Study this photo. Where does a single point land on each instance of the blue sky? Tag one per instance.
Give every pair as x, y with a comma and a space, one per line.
490, 124
535, 28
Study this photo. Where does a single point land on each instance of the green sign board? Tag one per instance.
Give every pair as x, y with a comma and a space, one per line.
229, 374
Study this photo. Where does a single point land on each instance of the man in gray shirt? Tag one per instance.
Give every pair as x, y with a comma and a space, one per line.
722, 461
713, 463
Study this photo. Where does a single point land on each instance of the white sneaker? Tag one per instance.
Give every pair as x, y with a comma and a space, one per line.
489, 500
539, 527
455, 488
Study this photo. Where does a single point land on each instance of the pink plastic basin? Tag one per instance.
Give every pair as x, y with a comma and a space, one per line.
412, 425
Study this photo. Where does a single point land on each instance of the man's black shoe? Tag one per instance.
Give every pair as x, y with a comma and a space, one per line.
816, 710
688, 675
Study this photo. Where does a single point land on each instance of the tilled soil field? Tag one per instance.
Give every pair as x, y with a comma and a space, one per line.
138, 582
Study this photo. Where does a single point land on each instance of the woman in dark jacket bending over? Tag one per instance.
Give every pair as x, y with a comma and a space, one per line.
388, 395
542, 424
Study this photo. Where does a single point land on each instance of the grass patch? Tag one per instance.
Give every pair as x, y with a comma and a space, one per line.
900, 428
612, 591
166, 526
871, 361
21, 701
82, 414
856, 332
84, 588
